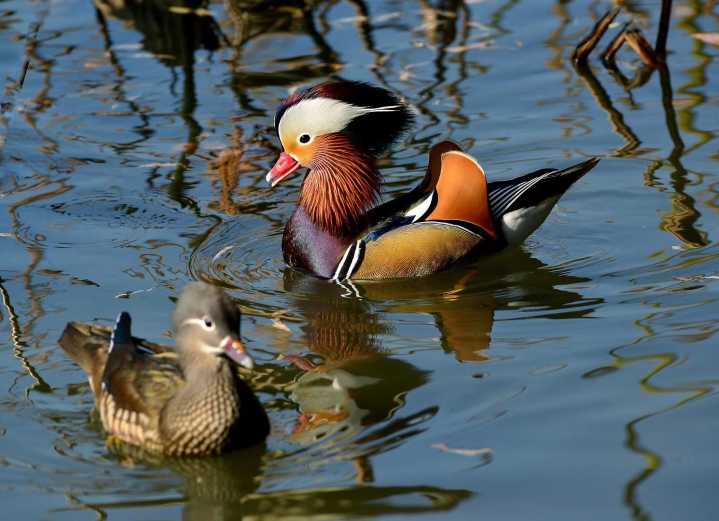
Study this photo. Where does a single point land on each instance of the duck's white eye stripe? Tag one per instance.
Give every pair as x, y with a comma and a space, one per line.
386, 108
198, 322
318, 116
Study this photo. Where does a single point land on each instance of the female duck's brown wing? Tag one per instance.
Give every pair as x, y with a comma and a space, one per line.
132, 379
136, 385
452, 221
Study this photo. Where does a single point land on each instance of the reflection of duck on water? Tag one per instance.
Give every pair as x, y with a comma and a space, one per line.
356, 385
463, 301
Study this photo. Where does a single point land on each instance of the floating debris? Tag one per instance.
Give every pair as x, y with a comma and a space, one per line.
712, 38
128, 294
485, 454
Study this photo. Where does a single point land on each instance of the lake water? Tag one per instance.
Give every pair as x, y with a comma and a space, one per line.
586, 362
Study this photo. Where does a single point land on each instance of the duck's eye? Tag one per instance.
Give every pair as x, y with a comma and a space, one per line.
207, 323
304, 139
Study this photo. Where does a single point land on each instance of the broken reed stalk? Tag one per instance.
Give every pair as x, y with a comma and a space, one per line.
586, 46
614, 46
641, 46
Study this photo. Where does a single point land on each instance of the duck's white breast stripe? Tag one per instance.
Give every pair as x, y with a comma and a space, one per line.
340, 274
355, 259
341, 263
419, 211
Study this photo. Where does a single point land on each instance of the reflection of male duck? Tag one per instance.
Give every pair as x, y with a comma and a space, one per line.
356, 385
464, 301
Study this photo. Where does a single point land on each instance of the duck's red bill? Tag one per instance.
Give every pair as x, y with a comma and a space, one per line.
284, 166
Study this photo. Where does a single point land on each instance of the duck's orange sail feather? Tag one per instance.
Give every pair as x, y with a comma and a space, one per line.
462, 193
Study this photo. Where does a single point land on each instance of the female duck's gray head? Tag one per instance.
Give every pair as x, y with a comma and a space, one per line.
206, 321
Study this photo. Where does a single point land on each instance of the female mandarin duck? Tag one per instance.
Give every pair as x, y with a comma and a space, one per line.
186, 401
336, 130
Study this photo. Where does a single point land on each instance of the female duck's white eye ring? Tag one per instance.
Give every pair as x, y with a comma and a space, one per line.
304, 139
207, 323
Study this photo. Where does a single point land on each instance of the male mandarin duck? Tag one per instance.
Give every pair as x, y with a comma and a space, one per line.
336, 130
186, 401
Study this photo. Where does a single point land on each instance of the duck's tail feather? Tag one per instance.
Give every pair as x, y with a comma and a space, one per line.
86, 345
520, 205
534, 188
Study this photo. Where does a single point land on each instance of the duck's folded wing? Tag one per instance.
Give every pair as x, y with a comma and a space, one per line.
451, 220
136, 384
534, 188
518, 206
413, 250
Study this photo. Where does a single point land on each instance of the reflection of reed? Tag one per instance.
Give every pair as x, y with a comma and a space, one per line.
653, 460
681, 219
35, 251
22, 332
602, 98
145, 128
441, 31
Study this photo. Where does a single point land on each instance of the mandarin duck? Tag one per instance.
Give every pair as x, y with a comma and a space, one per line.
186, 401
337, 130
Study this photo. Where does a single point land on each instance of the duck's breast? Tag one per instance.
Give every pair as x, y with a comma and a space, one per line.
308, 247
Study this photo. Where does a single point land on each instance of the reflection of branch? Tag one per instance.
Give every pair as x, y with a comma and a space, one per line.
16, 335
680, 220
16, 86
144, 129
365, 29
652, 460
604, 101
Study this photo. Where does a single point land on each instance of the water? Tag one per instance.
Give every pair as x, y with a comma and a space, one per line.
585, 361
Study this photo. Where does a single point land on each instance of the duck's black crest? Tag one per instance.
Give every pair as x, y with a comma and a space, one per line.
373, 132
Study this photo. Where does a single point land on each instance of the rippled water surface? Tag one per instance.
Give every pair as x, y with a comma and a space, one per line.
133, 161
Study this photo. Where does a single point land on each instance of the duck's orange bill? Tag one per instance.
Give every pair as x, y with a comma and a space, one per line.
284, 166
236, 351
